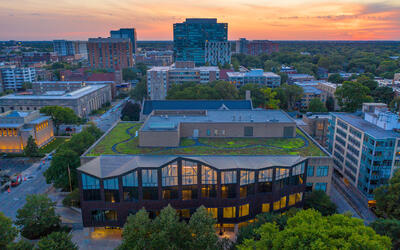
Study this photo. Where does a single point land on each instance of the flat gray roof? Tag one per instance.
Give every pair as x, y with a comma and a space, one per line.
217, 116
71, 95
107, 166
367, 127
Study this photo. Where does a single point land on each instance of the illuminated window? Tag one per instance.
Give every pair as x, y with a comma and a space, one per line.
189, 173
208, 175
292, 199
246, 183
184, 213
228, 177
299, 197
111, 190
281, 173
229, 212
213, 211
283, 202
280, 204
244, 210
265, 207
170, 175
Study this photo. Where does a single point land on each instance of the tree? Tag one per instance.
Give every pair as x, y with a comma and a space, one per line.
271, 66
224, 90
7, 231
308, 229
270, 101
387, 198
142, 68
37, 217
131, 112
235, 64
20, 245
321, 202
60, 115
257, 97
316, 105
139, 92
57, 241
201, 226
137, 232
367, 81
335, 78
383, 94
390, 228
26, 85
351, 95
330, 104
128, 74
169, 232
289, 96
31, 149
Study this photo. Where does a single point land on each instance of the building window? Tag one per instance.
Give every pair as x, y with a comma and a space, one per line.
208, 132
322, 171
310, 171
189, 180
213, 211
246, 183
244, 210
91, 188
265, 207
130, 186
265, 180
320, 186
104, 216
209, 182
297, 177
282, 177
228, 184
149, 184
170, 181
248, 131
280, 204
229, 212
111, 190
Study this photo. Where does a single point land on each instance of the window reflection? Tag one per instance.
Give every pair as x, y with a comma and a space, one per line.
209, 182
91, 188
189, 180
149, 184
170, 181
130, 186
297, 177
282, 177
265, 180
228, 184
246, 183
111, 190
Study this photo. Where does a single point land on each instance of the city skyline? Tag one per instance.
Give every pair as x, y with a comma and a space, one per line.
153, 19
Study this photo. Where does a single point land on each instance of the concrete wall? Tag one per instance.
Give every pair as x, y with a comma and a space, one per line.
235, 129
159, 138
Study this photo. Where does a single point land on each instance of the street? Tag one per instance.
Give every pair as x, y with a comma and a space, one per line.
106, 120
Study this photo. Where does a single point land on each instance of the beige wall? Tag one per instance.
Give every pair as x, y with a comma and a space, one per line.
321, 161
235, 129
11, 143
159, 138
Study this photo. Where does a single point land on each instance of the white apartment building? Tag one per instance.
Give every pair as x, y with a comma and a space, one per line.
13, 78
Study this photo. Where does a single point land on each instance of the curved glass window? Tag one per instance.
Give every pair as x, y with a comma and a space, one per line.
130, 186
91, 188
246, 183
209, 182
189, 180
111, 190
282, 177
265, 180
297, 177
228, 184
150, 184
170, 181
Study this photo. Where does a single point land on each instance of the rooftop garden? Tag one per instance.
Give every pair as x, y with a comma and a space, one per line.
122, 140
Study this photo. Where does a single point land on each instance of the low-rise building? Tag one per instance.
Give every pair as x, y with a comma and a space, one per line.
316, 125
256, 47
83, 101
16, 127
42, 87
365, 148
256, 76
236, 164
14, 78
292, 78
160, 78
318, 89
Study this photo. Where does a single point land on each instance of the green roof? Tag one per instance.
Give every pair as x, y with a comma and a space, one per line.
122, 140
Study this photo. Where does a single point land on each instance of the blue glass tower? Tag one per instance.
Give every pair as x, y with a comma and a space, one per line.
125, 33
190, 38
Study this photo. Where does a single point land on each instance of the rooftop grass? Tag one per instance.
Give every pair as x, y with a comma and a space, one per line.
54, 144
122, 140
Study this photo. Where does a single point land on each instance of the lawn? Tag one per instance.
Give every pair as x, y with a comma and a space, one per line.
121, 137
54, 144
121, 132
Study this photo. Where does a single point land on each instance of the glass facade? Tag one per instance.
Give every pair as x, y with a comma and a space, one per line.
111, 190
247, 181
170, 181
189, 180
130, 186
228, 184
91, 188
150, 184
209, 182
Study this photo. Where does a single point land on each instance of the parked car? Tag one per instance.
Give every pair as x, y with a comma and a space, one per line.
16, 180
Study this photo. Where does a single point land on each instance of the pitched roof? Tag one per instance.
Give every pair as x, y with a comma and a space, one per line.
150, 105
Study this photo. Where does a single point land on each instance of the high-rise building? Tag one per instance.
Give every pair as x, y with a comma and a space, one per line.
126, 33
13, 78
365, 148
110, 53
160, 78
191, 38
255, 47
70, 48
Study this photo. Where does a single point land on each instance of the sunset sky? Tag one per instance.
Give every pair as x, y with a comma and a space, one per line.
153, 19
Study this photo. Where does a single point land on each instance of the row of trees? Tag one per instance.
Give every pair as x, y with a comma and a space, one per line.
37, 219
66, 159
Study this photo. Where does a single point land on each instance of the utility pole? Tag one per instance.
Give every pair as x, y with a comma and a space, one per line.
69, 177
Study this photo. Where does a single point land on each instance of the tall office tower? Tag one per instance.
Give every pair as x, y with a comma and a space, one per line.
64, 47
110, 53
201, 39
126, 33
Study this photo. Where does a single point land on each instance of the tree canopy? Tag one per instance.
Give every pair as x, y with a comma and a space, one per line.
139, 92
60, 115
7, 231
320, 201
390, 228
37, 217
31, 149
316, 105
308, 229
57, 241
351, 95
387, 198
